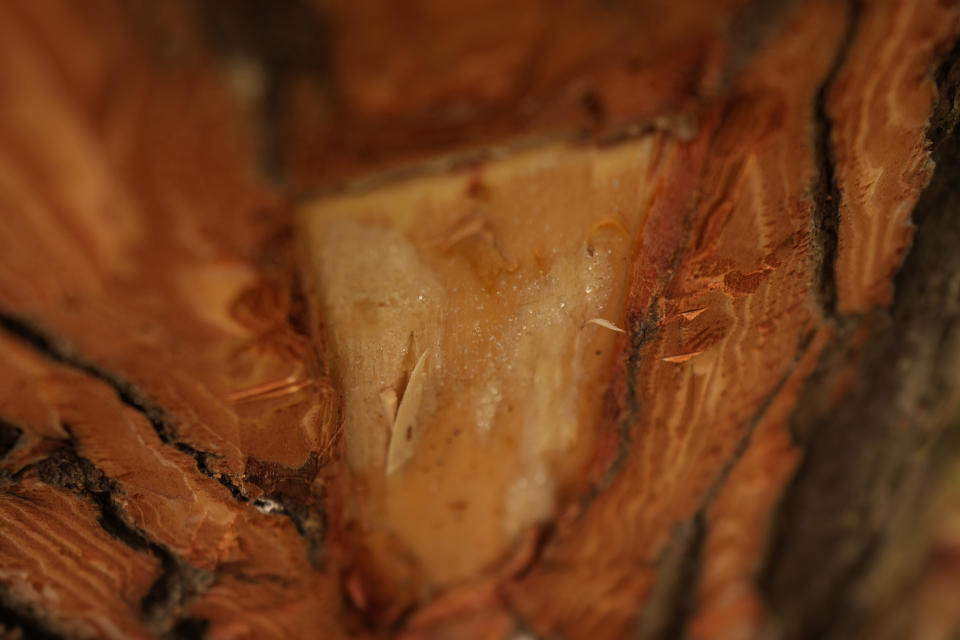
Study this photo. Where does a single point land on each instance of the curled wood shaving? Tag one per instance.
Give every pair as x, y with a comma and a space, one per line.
681, 357
404, 432
606, 324
692, 313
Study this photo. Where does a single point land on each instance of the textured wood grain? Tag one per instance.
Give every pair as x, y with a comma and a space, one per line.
748, 261
177, 433
456, 78
881, 103
57, 558
169, 311
162, 496
199, 320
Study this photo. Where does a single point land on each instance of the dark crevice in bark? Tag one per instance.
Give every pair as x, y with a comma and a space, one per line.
835, 516
285, 42
203, 459
27, 623
9, 435
643, 328
668, 608
161, 422
291, 492
826, 193
164, 604
67, 470
190, 629
61, 353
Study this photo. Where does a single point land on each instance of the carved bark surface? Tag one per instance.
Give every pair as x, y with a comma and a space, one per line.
479, 320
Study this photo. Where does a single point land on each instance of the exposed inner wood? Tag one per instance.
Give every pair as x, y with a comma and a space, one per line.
619, 331
486, 302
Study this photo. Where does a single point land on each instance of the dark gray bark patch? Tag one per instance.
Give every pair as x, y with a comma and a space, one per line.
866, 456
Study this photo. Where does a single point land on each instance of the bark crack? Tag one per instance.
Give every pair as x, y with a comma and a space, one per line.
179, 584
826, 192
673, 598
290, 492
666, 612
158, 418
9, 435
22, 622
643, 329
836, 516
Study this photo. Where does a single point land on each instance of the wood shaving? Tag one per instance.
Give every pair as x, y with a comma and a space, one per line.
274, 389
692, 313
681, 357
403, 438
606, 324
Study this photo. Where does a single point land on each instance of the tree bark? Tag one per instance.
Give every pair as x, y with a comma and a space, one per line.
484, 319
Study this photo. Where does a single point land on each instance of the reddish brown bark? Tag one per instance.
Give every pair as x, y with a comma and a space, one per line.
177, 455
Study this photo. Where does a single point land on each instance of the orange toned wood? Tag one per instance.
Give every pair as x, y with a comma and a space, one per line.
748, 249
56, 558
202, 206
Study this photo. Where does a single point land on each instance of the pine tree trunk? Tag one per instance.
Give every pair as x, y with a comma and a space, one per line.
481, 319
